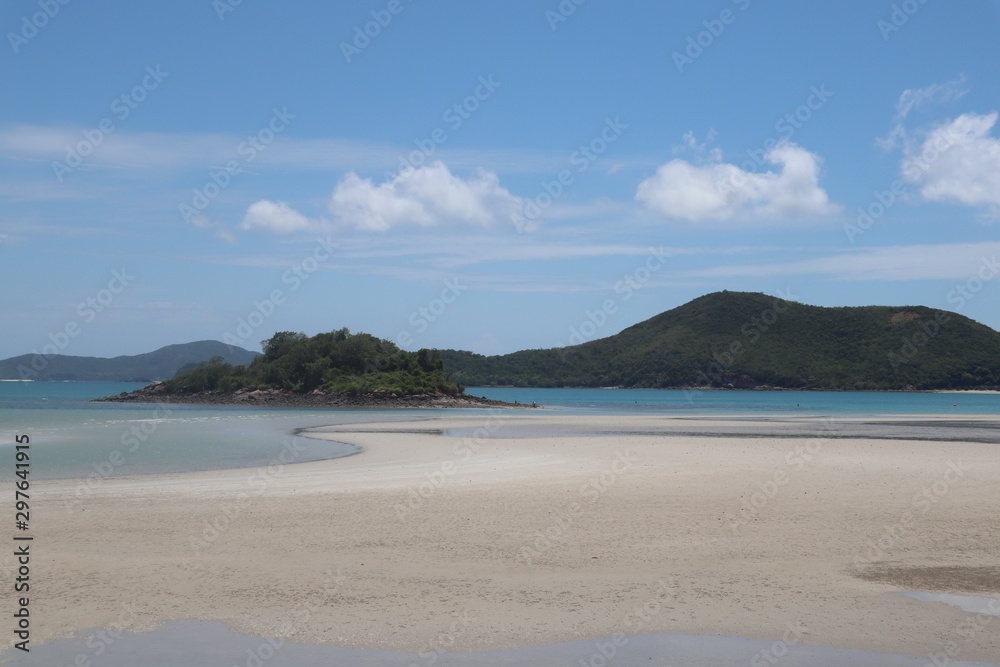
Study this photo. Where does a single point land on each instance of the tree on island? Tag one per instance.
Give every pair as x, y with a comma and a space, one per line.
335, 362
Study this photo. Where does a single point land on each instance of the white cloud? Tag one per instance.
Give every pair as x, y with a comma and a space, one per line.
202, 221
277, 217
428, 196
936, 93
134, 154
181, 150
722, 192
702, 149
914, 98
958, 162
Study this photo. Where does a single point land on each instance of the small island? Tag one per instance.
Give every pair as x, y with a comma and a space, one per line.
330, 370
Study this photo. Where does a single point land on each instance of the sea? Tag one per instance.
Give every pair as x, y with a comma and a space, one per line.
74, 437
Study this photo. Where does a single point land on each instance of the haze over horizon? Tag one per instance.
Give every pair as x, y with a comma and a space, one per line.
485, 177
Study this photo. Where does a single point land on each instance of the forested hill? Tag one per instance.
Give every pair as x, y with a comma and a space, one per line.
160, 364
747, 340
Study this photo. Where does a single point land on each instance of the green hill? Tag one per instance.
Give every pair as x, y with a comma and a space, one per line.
747, 340
159, 365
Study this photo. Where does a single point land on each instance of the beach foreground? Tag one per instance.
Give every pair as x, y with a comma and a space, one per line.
506, 529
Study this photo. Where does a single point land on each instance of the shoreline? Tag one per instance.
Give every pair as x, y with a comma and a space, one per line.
764, 388
407, 552
274, 398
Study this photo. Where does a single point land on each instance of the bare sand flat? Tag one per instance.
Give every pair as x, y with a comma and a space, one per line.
511, 529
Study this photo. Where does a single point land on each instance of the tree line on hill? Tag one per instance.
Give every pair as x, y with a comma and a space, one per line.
748, 340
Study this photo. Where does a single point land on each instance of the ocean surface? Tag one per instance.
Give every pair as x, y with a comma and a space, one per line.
74, 438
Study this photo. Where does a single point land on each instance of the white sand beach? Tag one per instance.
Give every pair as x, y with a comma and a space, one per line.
580, 527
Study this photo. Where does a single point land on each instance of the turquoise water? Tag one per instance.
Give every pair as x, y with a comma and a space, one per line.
750, 402
74, 438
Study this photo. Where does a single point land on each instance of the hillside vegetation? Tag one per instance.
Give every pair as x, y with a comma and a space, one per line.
747, 340
336, 362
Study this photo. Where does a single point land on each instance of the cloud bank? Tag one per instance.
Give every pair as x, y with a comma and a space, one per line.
958, 162
429, 196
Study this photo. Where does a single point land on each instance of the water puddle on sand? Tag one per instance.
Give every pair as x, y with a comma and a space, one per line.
210, 644
971, 603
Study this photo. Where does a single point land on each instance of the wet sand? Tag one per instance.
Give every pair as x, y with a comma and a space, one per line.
504, 530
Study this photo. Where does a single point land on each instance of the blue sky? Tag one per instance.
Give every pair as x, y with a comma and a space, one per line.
485, 176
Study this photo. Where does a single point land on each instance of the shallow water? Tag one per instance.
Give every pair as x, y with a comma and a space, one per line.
671, 401
74, 438
71, 437
211, 644
81, 443
974, 604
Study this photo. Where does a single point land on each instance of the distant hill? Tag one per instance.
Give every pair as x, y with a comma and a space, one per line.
162, 364
747, 340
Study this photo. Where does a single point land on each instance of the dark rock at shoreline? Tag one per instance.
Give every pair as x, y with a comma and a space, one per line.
278, 398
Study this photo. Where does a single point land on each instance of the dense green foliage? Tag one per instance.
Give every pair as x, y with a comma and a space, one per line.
746, 340
333, 362
158, 365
